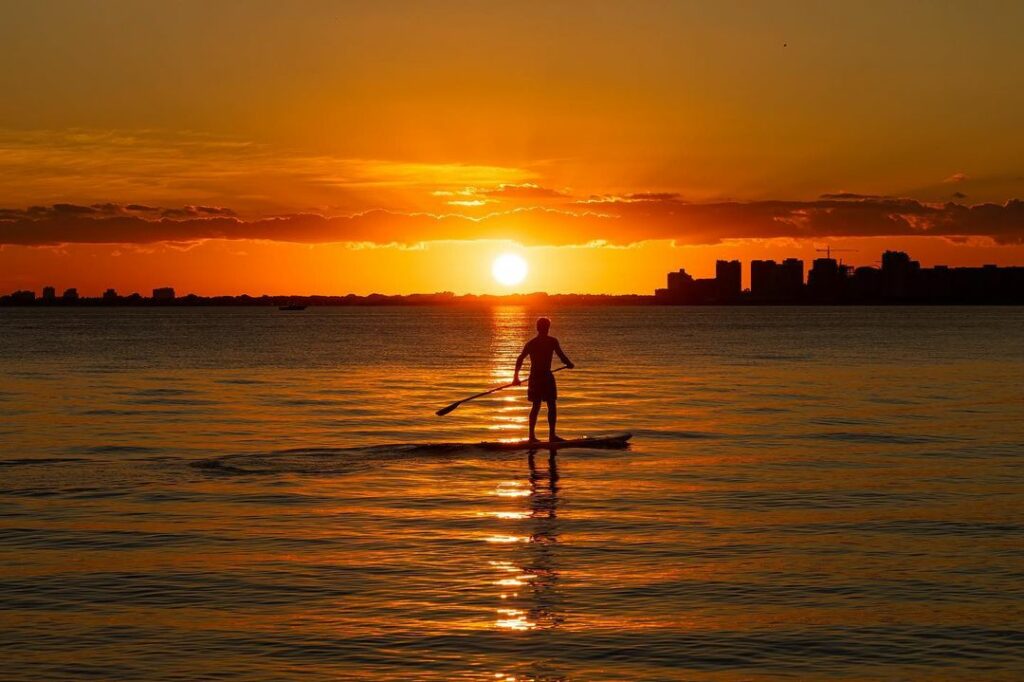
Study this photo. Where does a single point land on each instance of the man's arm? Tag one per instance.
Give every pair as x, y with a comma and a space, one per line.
562, 356
519, 364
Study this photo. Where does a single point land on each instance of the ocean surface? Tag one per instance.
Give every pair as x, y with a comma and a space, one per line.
250, 494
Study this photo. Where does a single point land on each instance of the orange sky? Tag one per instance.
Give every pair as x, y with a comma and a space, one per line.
267, 147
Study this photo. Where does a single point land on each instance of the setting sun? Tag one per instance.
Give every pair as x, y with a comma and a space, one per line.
509, 269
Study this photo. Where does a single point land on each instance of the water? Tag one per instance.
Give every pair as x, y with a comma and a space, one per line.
811, 493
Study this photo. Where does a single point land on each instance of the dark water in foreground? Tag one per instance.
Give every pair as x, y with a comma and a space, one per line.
812, 493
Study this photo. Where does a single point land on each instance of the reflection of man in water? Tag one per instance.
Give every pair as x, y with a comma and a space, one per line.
546, 611
542, 382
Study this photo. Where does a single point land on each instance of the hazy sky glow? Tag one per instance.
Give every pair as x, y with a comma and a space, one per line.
304, 147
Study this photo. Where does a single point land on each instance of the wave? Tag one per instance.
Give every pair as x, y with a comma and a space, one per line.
38, 461
877, 438
324, 460
329, 460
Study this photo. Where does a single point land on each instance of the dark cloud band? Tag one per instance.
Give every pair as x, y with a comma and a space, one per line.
616, 220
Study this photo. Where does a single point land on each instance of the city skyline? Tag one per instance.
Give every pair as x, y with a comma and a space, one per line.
700, 266
897, 279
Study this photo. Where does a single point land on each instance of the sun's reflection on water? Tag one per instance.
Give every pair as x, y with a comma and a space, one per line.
514, 620
507, 514
509, 326
505, 539
511, 489
510, 329
529, 580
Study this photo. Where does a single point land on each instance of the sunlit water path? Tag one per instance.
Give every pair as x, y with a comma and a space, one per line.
240, 494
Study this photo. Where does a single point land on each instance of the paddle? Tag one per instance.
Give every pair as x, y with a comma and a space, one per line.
445, 410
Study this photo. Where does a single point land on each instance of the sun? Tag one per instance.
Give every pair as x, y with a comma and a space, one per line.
509, 269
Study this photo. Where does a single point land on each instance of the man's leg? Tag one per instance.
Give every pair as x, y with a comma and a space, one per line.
534, 411
552, 420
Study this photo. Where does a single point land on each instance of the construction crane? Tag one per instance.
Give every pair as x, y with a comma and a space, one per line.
828, 251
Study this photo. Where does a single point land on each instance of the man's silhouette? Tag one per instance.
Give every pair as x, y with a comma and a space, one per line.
542, 382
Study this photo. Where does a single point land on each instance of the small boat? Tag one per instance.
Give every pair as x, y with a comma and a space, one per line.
293, 306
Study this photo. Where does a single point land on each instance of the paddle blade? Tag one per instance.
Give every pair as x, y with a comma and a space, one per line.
445, 410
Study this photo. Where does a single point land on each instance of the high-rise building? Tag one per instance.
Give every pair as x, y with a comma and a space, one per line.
763, 279
825, 280
866, 284
682, 288
728, 280
899, 275
779, 282
896, 261
678, 280
49, 294
163, 294
791, 279
70, 295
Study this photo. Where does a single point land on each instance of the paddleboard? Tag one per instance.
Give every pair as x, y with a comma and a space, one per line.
618, 440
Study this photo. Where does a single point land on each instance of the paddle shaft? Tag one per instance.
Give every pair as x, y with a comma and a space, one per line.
451, 407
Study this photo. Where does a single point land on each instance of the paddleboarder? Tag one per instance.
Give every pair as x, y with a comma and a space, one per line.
542, 388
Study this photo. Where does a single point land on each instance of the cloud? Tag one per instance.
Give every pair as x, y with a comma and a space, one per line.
526, 190
469, 202
195, 211
503, 192
610, 220
853, 196
155, 167
57, 211
956, 177
72, 209
632, 197
653, 196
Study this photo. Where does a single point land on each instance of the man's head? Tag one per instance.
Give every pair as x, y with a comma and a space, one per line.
543, 325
